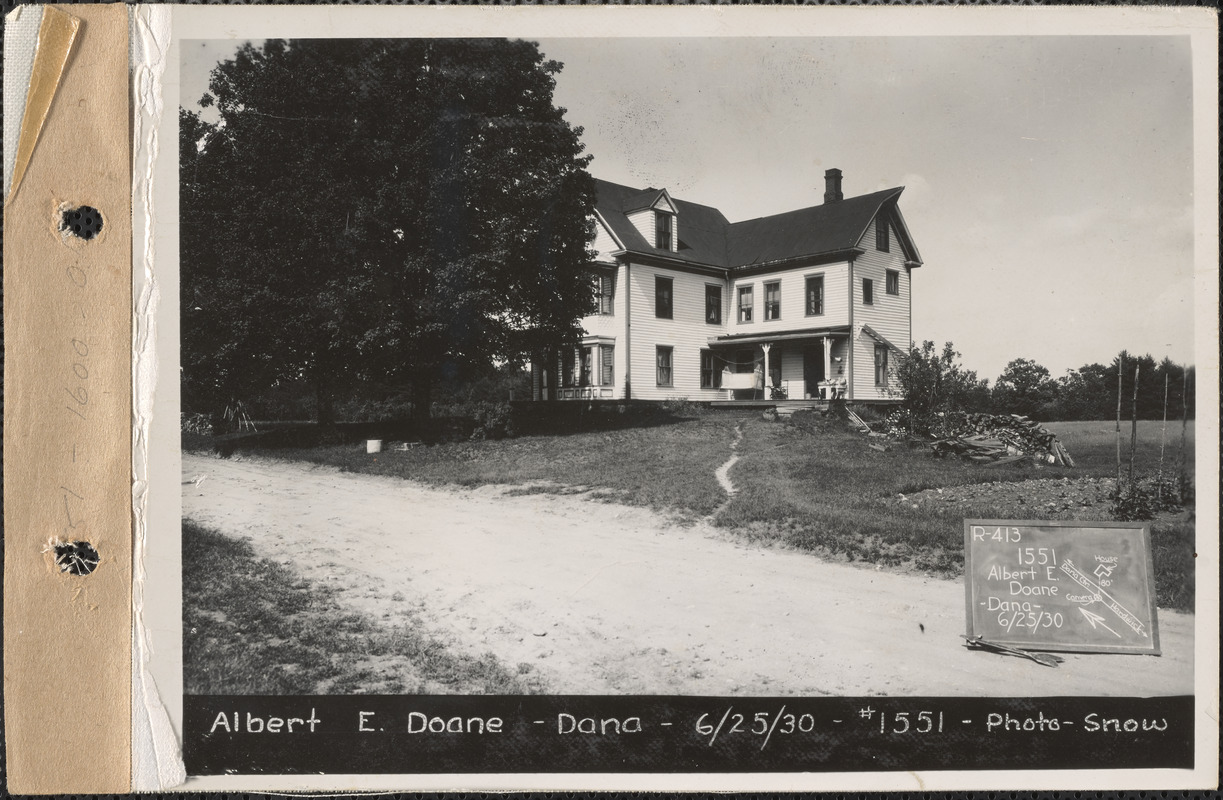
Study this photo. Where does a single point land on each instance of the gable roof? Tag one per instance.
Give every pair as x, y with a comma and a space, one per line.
827, 228
706, 237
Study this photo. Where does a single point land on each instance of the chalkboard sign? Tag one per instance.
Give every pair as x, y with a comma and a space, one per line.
1071, 586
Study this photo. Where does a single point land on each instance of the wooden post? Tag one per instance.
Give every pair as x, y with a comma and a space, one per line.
1163, 438
827, 362
765, 379
1120, 367
1184, 426
1134, 422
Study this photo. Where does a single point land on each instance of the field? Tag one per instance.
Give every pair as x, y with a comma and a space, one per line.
810, 484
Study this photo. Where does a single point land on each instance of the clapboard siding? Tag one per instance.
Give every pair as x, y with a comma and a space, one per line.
888, 315
644, 221
609, 324
612, 326
604, 245
793, 300
686, 332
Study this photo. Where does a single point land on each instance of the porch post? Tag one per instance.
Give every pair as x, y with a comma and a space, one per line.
827, 360
766, 346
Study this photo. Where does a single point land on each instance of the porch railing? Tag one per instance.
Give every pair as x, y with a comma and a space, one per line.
585, 393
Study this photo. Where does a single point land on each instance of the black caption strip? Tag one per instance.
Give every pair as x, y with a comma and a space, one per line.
558, 734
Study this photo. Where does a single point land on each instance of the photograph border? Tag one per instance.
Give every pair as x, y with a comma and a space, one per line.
156, 283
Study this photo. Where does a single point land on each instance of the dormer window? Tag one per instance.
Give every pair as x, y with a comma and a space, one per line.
662, 230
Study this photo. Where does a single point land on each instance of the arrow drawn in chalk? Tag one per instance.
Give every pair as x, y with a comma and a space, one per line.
1096, 619
1109, 601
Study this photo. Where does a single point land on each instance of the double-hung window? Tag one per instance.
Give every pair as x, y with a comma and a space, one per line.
568, 360
664, 298
745, 304
815, 295
881, 365
893, 282
662, 230
868, 292
586, 355
882, 239
711, 376
663, 356
604, 294
713, 304
772, 300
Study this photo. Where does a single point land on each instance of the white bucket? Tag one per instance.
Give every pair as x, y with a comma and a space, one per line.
373, 445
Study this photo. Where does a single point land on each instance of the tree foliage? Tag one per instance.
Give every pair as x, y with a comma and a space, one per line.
932, 381
1090, 392
1025, 388
389, 211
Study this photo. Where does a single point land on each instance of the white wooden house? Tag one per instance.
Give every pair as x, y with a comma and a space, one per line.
813, 303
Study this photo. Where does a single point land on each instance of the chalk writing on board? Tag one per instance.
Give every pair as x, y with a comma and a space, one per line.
1060, 585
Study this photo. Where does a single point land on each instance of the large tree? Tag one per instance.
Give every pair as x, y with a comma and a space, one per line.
1025, 387
393, 211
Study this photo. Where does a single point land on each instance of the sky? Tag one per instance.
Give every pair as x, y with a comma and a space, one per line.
1048, 180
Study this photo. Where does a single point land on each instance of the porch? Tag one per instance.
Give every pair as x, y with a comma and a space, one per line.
785, 367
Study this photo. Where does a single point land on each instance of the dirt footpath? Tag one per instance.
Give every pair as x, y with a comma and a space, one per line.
605, 599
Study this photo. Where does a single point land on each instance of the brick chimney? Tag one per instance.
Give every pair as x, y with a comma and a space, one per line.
832, 186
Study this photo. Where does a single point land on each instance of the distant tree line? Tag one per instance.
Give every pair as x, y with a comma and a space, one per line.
933, 380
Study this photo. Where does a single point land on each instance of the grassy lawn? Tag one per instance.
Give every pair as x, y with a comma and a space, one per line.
667, 467
811, 484
1093, 445
251, 626
818, 487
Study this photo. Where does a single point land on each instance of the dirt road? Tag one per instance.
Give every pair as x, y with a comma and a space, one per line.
607, 599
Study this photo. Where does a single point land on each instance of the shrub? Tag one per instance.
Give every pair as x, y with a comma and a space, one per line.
1142, 498
477, 420
680, 407
493, 421
930, 381
195, 423
359, 409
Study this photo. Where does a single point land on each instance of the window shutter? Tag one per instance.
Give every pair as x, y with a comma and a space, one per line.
606, 294
609, 361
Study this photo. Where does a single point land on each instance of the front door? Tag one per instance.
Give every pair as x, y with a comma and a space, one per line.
813, 367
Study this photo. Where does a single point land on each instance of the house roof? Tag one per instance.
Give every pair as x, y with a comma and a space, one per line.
827, 228
878, 337
707, 237
702, 229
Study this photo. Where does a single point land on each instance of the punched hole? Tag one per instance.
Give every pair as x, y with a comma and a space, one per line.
76, 558
85, 222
